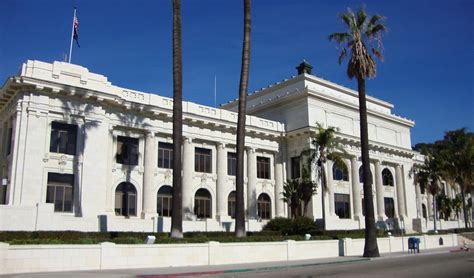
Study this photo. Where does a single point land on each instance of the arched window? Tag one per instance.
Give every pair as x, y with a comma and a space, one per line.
361, 174
423, 208
340, 173
126, 199
231, 204
387, 177
164, 201
389, 207
264, 206
202, 204
422, 188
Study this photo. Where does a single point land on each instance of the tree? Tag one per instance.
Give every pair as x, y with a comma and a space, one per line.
299, 191
429, 174
244, 76
326, 148
363, 33
457, 204
177, 211
457, 151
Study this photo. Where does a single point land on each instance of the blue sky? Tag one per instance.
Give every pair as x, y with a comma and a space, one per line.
427, 74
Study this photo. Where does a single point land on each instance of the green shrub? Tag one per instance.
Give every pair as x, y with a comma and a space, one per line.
279, 224
302, 225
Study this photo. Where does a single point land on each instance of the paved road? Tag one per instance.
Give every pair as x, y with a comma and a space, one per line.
436, 265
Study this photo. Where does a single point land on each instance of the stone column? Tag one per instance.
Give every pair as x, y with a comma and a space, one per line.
430, 206
251, 184
188, 170
449, 191
279, 206
379, 191
151, 160
330, 189
419, 212
400, 192
221, 181
356, 199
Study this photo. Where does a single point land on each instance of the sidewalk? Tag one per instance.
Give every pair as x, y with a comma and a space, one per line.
225, 269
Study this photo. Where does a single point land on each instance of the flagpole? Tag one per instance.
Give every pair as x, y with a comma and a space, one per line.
72, 35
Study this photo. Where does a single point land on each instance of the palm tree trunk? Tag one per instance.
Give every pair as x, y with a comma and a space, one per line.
371, 248
244, 76
323, 189
177, 208
464, 210
435, 213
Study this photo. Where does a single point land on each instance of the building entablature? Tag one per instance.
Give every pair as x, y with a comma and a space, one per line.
66, 80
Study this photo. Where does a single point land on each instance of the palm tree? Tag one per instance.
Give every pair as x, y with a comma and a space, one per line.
307, 188
177, 211
244, 76
291, 196
458, 155
362, 33
326, 148
457, 204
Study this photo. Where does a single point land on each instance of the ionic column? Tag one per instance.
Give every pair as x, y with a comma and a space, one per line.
221, 180
356, 199
151, 157
330, 188
279, 206
188, 170
419, 213
400, 192
379, 191
251, 184
430, 206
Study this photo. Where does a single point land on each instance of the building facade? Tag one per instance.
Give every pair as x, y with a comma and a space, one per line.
79, 153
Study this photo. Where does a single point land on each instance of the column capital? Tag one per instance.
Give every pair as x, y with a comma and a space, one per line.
187, 139
250, 149
221, 145
150, 134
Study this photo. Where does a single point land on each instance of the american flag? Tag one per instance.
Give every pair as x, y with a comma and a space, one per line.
76, 27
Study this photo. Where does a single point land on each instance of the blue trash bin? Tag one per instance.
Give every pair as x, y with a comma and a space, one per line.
413, 244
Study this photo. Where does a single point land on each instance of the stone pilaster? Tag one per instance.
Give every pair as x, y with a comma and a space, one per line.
279, 205
430, 206
151, 157
188, 170
400, 192
356, 198
379, 191
330, 189
251, 184
221, 181
419, 210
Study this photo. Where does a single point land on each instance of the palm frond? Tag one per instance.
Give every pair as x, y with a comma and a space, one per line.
361, 18
349, 19
340, 37
343, 55
378, 53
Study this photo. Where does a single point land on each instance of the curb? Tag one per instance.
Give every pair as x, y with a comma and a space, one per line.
252, 269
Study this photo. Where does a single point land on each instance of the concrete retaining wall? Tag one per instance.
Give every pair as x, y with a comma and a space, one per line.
40, 258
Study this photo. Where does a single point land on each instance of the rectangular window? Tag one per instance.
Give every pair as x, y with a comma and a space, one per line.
295, 167
389, 207
165, 155
342, 205
263, 167
63, 138
127, 150
9, 141
203, 160
231, 164
60, 191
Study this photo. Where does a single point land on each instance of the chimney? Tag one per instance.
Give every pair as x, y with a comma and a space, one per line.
304, 67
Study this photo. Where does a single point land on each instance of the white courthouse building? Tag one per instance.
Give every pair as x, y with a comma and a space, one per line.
78, 153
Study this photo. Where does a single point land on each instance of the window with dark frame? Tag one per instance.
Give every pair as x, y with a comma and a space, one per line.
202, 204
340, 173
60, 191
9, 141
263, 167
203, 160
342, 205
423, 211
164, 201
231, 204
127, 150
387, 177
63, 138
165, 155
295, 167
264, 206
389, 207
126, 199
231, 164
